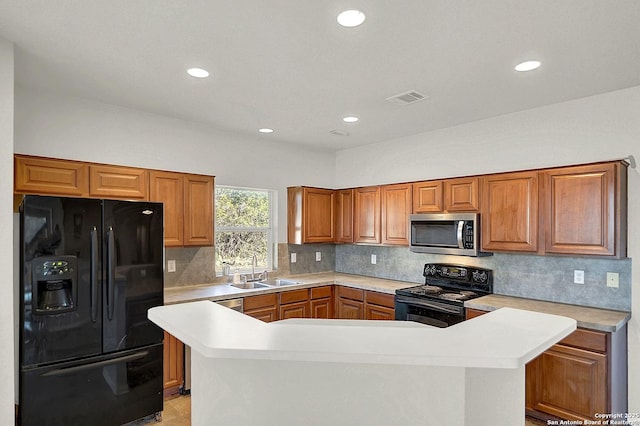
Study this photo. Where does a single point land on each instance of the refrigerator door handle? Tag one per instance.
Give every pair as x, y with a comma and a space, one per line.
99, 364
111, 271
94, 274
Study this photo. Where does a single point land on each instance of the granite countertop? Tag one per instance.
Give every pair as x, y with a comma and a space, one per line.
216, 292
592, 318
217, 332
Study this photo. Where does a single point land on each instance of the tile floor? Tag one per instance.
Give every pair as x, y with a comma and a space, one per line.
177, 412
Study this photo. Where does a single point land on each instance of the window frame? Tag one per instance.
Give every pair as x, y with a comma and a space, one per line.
271, 230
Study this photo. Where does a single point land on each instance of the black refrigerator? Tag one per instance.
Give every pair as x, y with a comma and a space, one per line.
90, 271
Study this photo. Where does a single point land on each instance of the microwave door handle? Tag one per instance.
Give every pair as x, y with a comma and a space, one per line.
459, 234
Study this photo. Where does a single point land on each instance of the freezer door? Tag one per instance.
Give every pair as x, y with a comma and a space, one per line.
105, 390
133, 283
60, 296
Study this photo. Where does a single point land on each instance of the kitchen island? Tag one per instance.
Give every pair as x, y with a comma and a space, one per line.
336, 372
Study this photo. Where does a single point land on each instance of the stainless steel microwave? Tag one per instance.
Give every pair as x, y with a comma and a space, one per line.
450, 233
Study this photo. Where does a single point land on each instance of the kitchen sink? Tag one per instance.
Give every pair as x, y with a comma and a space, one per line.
278, 282
249, 286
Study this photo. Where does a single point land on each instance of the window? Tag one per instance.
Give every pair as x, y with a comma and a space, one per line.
244, 228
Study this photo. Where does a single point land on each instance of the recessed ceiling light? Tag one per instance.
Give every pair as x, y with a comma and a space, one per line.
198, 72
351, 18
350, 119
527, 66
265, 130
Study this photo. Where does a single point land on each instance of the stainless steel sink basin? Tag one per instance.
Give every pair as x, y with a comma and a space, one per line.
278, 282
249, 286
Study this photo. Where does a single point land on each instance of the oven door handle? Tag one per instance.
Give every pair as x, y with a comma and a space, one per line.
440, 307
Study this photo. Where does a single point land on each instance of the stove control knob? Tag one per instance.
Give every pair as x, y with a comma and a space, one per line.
483, 276
475, 275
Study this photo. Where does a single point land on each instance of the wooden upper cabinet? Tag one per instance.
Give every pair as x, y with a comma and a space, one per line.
510, 212
367, 220
344, 216
124, 183
168, 188
583, 210
198, 210
396, 207
311, 215
427, 197
462, 195
188, 207
33, 175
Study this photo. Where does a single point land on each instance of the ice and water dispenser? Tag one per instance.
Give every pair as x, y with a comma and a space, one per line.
55, 284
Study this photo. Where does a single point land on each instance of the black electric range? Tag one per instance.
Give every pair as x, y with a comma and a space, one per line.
440, 301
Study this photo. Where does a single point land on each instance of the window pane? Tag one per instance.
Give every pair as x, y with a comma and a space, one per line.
237, 249
242, 208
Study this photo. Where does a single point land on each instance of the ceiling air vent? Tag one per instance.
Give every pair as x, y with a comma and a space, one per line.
407, 98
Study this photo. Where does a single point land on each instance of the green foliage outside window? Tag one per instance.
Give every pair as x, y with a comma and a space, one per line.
243, 226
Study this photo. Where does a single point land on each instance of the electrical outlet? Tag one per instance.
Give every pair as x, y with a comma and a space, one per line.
318, 256
578, 277
171, 265
612, 279
373, 259
294, 258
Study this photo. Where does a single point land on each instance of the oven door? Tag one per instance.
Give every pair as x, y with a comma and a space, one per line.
430, 312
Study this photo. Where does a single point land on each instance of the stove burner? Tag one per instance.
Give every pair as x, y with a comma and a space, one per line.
430, 289
454, 296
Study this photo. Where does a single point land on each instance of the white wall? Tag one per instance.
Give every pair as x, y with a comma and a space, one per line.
65, 127
597, 128
6, 229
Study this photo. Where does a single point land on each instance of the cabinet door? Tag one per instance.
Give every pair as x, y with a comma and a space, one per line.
173, 365
427, 197
567, 382
350, 309
367, 215
461, 195
579, 208
168, 188
126, 183
318, 207
198, 210
344, 216
264, 314
322, 308
50, 176
396, 207
294, 310
376, 312
510, 212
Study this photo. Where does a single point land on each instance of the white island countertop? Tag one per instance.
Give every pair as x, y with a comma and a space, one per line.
504, 338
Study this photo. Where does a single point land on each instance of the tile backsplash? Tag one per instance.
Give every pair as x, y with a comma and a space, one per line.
547, 278
537, 277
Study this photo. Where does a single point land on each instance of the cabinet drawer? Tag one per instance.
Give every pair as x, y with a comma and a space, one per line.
351, 293
260, 301
293, 296
586, 339
380, 299
320, 292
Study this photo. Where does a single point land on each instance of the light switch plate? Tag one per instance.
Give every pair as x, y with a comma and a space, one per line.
318, 256
171, 265
578, 277
613, 279
294, 258
373, 259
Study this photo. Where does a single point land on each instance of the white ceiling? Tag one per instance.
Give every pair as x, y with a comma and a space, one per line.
286, 64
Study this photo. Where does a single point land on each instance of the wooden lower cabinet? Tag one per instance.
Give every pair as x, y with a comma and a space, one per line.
379, 306
567, 382
294, 304
349, 303
321, 302
263, 307
574, 379
173, 364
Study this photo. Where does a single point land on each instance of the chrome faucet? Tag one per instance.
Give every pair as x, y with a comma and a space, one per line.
254, 263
